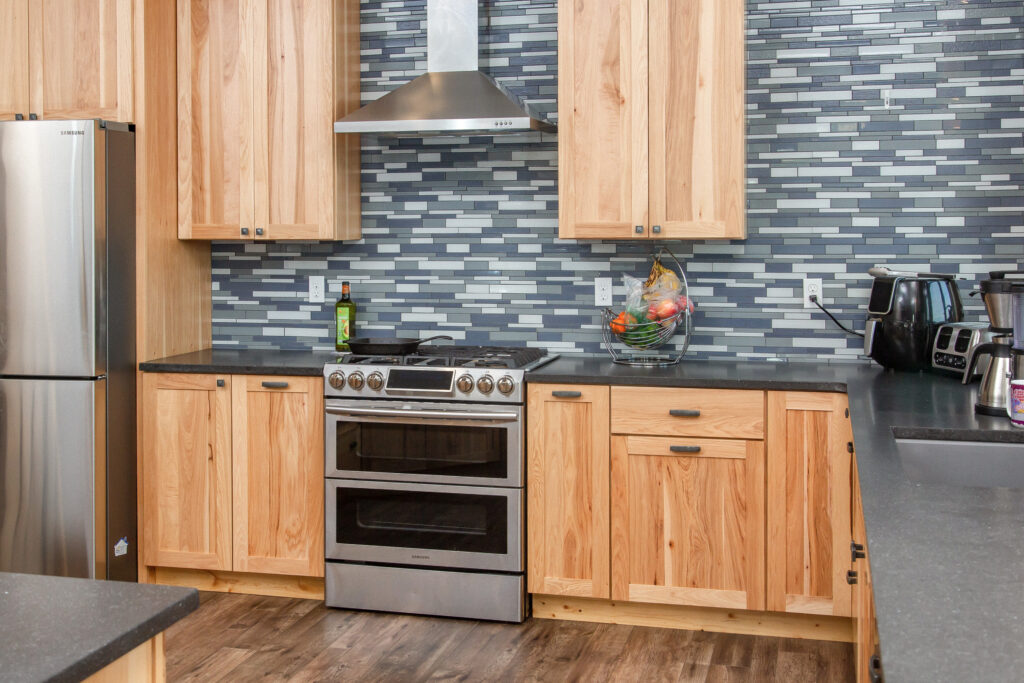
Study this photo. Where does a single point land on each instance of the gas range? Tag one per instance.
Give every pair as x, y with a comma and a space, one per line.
491, 374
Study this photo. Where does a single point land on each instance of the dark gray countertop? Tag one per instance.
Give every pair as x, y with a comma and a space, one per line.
244, 362
60, 629
947, 561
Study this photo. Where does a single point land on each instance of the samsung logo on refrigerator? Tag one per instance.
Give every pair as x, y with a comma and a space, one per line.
72, 132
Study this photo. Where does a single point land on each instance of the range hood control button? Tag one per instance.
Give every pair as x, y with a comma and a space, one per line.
465, 384
355, 380
506, 385
337, 380
485, 384
375, 381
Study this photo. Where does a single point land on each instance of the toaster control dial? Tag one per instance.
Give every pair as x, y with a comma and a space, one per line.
336, 380
506, 385
485, 384
465, 384
355, 380
375, 381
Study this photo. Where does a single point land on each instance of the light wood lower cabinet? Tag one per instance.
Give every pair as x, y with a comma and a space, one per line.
567, 489
809, 503
232, 470
688, 521
865, 625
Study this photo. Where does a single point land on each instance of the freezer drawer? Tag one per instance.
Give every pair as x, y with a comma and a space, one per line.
49, 435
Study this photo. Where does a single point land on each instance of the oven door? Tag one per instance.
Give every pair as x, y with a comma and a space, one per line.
458, 527
448, 443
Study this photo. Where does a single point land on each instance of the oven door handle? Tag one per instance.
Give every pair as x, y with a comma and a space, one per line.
429, 414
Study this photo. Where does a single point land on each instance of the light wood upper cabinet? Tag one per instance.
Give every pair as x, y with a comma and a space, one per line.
808, 503
651, 119
186, 471
81, 59
14, 75
687, 521
567, 489
277, 475
260, 84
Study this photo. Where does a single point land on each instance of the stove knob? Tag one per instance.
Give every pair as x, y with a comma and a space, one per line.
375, 381
337, 380
506, 384
465, 384
485, 384
355, 380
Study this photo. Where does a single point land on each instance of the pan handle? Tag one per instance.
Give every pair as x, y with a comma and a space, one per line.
440, 336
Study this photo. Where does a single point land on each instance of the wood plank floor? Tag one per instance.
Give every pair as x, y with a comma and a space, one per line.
247, 638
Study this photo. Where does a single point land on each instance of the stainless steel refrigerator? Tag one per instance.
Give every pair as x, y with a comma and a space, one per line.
67, 349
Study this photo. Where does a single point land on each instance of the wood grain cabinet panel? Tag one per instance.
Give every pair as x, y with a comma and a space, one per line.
81, 59
186, 470
567, 489
14, 74
808, 503
278, 472
687, 520
729, 413
866, 628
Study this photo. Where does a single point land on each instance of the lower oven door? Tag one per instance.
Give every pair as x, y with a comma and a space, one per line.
459, 527
432, 442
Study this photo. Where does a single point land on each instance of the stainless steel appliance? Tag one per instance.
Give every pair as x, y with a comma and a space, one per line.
997, 293
424, 469
67, 349
905, 311
954, 344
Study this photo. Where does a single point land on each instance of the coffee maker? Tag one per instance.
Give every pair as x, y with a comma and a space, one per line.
1015, 380
997, 293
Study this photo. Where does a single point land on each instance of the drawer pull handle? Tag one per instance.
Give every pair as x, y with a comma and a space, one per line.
566, 394
684, 413
275, 385
684, 449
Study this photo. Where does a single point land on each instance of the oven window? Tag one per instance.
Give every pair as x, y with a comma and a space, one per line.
462, 451
428, 520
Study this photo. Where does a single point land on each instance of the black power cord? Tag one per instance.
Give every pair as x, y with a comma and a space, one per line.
814, 300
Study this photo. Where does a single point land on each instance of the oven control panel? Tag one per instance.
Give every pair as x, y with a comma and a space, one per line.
490, 385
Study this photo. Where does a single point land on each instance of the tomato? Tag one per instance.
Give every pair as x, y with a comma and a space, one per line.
667, 309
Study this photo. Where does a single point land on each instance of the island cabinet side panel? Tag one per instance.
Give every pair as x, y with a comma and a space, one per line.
186, 470
567, 489
808, 470
278, 475
688, 521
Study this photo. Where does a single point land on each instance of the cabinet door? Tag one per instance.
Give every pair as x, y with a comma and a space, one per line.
186, 470
697, 151
567, 489
81, 59
602, 119
688, 521
14, 58
866, 631
278, 477
808, 503
294, 120
215, 127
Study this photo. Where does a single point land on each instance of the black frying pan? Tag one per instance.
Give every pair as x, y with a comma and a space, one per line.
387, 346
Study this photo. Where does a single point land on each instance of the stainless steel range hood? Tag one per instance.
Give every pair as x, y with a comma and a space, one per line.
453, 97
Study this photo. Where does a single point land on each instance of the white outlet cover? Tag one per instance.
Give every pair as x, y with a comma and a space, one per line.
602, 291
316, 289
812, 287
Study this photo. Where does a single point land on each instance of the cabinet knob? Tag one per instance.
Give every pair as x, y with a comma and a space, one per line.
220, 383
856, 551
851, 577
566, 394
684, 413
639, 229
19, 117
245, 231
259, 231
33, 117
656, 229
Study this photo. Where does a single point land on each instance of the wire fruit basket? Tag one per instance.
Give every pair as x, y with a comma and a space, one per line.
642, 339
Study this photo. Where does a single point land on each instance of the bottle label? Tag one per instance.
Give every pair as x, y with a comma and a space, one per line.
343, 327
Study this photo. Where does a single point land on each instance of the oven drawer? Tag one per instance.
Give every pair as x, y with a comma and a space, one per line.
430, 442
434, 525
717, 413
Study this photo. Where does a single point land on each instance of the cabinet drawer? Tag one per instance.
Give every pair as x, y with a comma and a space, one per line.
688, 412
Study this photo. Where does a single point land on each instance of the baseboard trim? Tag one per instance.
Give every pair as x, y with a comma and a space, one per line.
240, 582
807, 626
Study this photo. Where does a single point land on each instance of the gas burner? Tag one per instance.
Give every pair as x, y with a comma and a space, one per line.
485, 356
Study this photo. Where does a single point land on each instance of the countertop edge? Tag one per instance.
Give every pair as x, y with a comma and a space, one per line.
122, 645
215, 368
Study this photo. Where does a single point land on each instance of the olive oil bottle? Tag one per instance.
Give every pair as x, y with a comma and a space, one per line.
345, 317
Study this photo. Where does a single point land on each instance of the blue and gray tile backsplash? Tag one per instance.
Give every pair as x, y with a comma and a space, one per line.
878, 132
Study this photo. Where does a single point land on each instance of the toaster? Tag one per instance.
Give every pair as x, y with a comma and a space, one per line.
953, 345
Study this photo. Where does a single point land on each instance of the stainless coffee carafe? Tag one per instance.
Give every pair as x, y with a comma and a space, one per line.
997, 292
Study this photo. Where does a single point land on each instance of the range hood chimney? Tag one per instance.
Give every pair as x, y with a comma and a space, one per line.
453, 97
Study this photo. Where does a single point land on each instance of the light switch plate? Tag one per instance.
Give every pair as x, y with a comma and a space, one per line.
316, 289
602, 291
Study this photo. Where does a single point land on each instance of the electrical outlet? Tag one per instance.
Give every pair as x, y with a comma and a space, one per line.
602, 291
812, 287
316, 289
